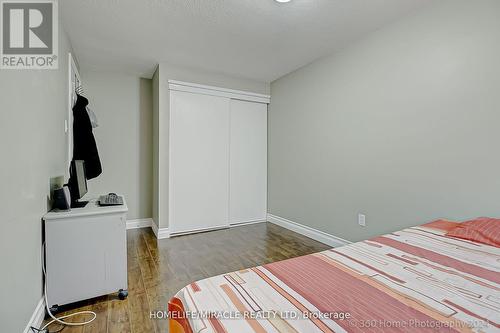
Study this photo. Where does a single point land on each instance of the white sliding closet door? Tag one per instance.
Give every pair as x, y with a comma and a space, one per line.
248, 162
199, 162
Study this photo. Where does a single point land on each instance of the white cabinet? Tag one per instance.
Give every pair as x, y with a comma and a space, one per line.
85, 253
217, 159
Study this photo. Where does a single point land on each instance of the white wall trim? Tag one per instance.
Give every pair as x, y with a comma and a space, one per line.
315, 234
154, 227
37, 317
148, 223
218, 91
139, 223
320, 236
160, 233
163, 233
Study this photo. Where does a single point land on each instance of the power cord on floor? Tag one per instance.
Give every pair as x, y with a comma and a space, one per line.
37, 330
59, 320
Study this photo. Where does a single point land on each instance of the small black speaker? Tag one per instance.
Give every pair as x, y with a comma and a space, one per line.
62, 198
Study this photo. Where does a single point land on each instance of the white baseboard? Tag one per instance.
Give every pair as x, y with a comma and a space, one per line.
315, 234
37, 317
148, 223
139, 223
320, 236
160, 233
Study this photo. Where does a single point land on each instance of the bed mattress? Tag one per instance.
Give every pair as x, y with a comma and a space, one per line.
414, 280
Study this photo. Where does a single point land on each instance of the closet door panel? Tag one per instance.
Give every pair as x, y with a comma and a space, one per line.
199, 162
248, 162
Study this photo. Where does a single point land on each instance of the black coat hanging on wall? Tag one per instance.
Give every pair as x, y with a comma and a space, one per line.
84, 145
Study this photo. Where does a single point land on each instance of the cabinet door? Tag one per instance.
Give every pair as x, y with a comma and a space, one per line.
199, 162
248, 162
86, 257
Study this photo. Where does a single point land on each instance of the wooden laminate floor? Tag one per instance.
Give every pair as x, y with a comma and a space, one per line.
157, 269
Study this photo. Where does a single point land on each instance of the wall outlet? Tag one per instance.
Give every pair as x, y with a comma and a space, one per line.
362, 220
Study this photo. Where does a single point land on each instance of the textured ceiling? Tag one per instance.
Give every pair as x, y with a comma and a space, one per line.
255, 39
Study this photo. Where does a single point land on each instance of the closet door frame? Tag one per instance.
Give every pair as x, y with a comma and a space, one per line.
230, 94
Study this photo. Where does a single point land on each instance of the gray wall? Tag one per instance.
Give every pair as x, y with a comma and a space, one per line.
401, 126
124, 107
33, 107
164, 73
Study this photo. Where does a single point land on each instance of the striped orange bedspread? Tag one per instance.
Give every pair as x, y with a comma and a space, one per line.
414, 280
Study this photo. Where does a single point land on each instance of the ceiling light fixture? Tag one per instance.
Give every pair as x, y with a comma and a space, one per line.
282, 1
